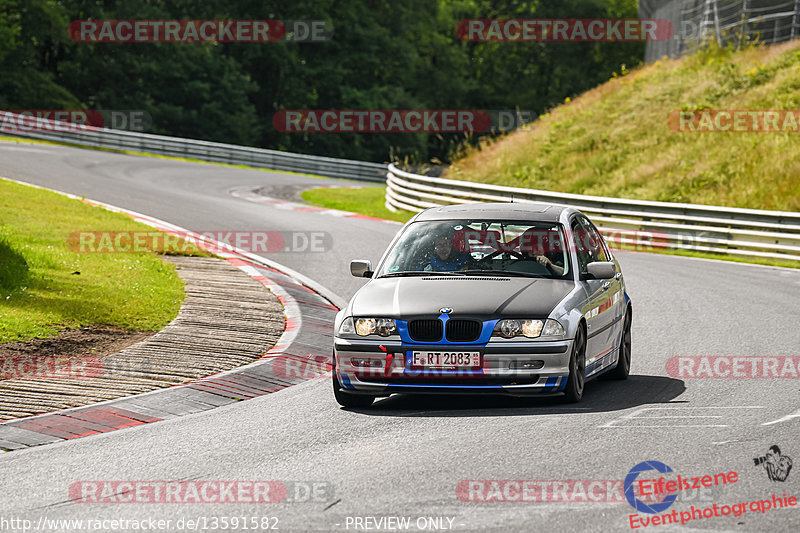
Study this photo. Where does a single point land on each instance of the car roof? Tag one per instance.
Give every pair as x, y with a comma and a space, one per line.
527, 211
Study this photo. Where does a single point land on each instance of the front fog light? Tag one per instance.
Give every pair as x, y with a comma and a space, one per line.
535, 364
366, 362
553, 328
365, 326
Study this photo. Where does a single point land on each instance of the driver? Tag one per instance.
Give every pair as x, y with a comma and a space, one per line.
535, 245
444, 258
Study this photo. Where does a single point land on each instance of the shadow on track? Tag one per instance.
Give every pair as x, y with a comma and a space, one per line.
598, 397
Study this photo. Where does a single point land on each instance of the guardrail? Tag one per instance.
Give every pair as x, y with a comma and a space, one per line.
637, 223
742, 232
52, 130
728, 22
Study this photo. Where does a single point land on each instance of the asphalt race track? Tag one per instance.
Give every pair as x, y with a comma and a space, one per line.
405, 456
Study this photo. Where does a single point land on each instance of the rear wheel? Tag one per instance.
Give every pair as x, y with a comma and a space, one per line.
623, 367
577, 368
349, 400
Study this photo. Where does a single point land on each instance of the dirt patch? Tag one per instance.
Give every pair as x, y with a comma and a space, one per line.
97, 341
290, 193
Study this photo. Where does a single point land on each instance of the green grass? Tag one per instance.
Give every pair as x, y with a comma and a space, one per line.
615, 140
368, 201
41, 291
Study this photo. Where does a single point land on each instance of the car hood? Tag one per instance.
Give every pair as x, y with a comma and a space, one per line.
489, 297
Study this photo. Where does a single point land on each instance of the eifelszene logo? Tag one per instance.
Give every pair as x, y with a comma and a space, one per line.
777, 466
629, 485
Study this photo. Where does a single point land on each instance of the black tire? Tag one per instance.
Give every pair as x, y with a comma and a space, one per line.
577, 369
350, 400
623, 368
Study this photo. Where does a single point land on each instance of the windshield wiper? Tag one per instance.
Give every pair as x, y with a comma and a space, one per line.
417, 273
412, 273
503, 273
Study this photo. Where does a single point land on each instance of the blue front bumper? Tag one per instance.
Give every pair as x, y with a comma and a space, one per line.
390, 370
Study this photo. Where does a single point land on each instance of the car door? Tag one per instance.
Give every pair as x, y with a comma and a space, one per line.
600, 309
616, 287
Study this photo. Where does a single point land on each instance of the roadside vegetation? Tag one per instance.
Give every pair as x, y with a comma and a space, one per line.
368, 201
46, 286
615, 140
382, 55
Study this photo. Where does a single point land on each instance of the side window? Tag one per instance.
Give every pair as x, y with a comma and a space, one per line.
588, 243
593, 241
580, 250
604, 249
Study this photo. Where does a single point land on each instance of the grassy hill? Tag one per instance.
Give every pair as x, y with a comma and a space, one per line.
615, 140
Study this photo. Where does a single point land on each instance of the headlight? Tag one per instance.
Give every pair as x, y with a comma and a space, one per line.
347, 326
553, 328
532, 329
386, 327
510, 328
372, 326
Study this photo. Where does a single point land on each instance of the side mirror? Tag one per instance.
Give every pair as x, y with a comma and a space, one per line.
361, 268
601, 270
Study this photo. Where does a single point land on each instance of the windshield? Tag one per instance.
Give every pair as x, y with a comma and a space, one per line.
481, 247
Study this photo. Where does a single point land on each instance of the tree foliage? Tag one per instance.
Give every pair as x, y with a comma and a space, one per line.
382, 55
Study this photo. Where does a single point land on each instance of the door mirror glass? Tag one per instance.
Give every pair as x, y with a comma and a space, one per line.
361, 268
601, 270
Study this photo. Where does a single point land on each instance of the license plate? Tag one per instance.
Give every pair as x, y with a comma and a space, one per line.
447, 359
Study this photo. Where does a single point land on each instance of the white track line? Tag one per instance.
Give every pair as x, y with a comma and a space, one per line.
633, 416
786, 418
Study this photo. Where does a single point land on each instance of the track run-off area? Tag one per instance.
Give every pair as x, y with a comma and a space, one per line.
433, 459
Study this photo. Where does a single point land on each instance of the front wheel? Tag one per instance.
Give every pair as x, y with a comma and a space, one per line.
577, 369
349, 400
624, 364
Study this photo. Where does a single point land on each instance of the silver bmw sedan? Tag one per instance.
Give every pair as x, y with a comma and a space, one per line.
514, 299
